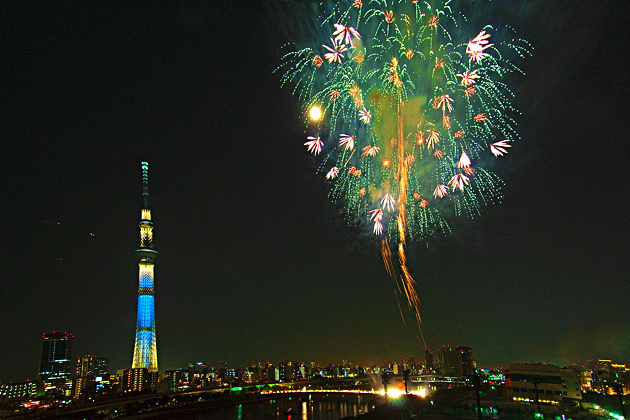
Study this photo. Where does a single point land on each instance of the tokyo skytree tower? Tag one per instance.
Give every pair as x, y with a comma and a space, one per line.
145, 349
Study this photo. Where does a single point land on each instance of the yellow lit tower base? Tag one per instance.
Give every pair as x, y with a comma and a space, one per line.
145, 349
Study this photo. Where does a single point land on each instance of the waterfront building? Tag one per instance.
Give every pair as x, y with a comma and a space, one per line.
286, 373
269, 373
542, 383
145, 348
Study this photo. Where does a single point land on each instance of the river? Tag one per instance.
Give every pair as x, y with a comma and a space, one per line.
318, 407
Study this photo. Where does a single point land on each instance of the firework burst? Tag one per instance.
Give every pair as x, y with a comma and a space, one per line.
422, 100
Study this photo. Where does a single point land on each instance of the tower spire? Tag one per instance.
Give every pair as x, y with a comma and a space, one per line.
145, 183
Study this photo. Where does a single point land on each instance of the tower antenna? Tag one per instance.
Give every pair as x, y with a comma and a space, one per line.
145, 183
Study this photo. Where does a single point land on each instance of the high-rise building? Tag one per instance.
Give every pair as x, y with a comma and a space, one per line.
145, 349
286, 371
83, 386
56, 356
138, 379
428, 357
468, 364
456, 361
101, 366
85, 366
451, 362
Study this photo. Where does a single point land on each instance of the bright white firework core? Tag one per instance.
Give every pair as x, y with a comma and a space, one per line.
315, 113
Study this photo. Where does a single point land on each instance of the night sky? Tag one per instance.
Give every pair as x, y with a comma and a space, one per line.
254, 262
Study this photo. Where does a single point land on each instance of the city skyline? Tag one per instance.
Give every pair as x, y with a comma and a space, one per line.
447, 361
254, 259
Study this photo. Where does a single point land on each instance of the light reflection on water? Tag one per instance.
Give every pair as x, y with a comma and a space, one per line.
292, 408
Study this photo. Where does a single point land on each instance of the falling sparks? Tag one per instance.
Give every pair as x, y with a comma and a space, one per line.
393, 73
433, 139
314, 145
468, 77
370, 151
433, 22
500, 148
345, 33
459, 181
464, 161
389, 16
444, 102
354, 171
359, 57
440, 191
355, 92
378, 227
346, 141
365, 116
387, 202
335, 52
318, 61
377, 215
475, 48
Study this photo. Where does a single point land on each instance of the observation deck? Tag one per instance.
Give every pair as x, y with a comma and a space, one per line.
146, 255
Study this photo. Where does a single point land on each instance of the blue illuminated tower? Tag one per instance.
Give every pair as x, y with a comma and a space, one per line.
145, 349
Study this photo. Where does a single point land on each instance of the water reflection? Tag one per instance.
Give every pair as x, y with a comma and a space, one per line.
305, 410
293, 408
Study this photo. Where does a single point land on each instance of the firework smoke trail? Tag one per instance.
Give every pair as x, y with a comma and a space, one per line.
419, 92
